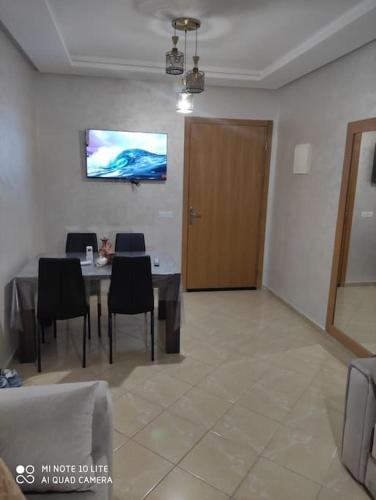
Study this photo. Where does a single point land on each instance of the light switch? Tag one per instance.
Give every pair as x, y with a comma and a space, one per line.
366, 215
165, 214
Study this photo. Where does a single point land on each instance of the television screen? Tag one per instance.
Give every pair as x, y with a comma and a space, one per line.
126, 155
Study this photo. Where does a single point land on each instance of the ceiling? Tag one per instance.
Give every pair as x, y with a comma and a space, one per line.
247, 43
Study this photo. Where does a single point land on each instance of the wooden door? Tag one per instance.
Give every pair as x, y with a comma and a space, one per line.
225, 193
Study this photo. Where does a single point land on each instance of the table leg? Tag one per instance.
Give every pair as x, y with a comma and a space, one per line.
172, 336
26, 349
162, 292
169, 310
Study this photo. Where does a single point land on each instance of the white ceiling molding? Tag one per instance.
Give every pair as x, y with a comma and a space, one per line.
37, 29
34, 27
150, 67
352, 30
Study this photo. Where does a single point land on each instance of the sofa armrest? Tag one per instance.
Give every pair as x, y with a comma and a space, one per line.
102, 425
360, 417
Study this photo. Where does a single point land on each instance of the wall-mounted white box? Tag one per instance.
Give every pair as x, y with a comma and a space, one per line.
302, 159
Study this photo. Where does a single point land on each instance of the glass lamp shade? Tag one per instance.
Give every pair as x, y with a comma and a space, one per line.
195, 81
174, 62
184, 103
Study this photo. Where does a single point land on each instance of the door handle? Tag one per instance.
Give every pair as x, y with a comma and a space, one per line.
193, 215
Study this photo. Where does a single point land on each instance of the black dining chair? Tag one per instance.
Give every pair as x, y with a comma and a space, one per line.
131, 292
77, 243
130, 242
61, 296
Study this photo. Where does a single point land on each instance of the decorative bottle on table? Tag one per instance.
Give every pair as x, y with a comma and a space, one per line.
106, 250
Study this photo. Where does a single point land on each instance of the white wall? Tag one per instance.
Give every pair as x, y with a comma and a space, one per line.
361, 267
315, 109
19, 221
67, 105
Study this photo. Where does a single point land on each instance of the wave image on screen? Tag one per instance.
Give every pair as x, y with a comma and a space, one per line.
126, 155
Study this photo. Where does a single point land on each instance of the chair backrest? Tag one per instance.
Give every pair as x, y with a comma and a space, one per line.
130, 242
77, 242
61, 289
131, 288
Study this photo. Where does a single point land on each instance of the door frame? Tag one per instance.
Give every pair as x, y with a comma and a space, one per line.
268, 124
349, 210
343, 228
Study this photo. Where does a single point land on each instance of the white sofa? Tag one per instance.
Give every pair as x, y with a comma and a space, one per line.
358, 452
100, 433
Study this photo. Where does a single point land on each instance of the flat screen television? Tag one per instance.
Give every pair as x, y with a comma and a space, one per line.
128, 156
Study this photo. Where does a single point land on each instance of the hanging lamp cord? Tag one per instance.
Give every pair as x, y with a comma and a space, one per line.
185, 52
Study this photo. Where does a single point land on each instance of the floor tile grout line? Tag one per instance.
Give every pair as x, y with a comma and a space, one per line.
283, 425
319, 492
154, 418
203, 481
209, 430
173, 415
189, 474
174, 466
157, 484
156, 404
196, 383
258, 454
292, 470
259, 457
159, 404
154, 452
231, 405
317, 483
257, 413
197, 442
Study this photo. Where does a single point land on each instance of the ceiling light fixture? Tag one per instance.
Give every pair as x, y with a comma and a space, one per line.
185, 102
174, 58
193, 81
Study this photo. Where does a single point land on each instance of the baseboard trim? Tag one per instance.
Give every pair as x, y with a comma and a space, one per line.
297, 311
360, 283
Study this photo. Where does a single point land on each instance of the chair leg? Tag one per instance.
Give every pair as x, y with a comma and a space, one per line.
84, 343
89, 322
99, 310
39, 326
146, 330
43, 337
110, 335
152, 334
55, 329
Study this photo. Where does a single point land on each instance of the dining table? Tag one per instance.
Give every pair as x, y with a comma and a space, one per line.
165, 276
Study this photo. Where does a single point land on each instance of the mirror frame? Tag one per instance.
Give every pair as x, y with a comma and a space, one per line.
351, 155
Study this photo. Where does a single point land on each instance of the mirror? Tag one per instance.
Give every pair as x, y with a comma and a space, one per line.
355, 285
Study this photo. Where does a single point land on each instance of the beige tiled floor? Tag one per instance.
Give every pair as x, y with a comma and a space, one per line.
251, 409
355, 314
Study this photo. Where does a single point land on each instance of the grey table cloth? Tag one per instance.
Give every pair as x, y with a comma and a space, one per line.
166, 277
